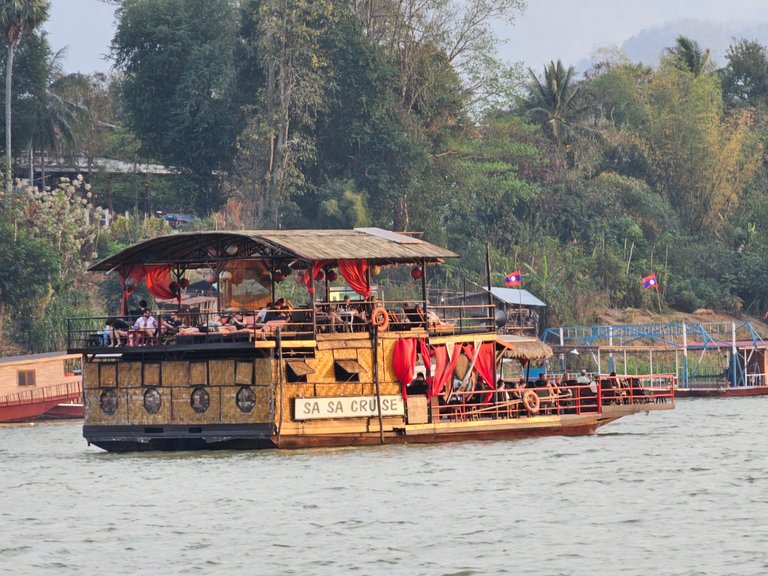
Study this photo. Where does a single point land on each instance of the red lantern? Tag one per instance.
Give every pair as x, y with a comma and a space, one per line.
184, 283
417, 273
320, 276
332, 276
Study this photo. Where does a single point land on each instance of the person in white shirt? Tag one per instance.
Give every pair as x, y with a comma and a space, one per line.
146, 323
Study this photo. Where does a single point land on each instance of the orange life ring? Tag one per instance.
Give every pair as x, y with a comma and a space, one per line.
380, 318
531, 401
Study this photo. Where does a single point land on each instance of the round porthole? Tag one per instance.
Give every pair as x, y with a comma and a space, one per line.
245, 399
108, 402
152, 401
200, 400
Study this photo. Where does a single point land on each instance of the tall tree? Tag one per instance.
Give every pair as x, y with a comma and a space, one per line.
178, 60
283, 43
745, 77
688, 56
17, 18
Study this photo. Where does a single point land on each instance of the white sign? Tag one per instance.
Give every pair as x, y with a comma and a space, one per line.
347, 407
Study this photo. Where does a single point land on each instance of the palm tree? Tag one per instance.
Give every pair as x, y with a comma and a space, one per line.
553, 103
53, 116
17, 18
688, 56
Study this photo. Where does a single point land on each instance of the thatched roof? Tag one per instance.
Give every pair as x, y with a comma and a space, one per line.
202, 248
524, 347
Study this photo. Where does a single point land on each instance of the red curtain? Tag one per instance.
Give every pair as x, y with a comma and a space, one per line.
136, 275
443, 367
486, 366
159, 280
404, 361
354, 272
426, 357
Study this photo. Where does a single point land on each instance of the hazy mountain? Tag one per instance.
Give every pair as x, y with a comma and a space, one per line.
649, 44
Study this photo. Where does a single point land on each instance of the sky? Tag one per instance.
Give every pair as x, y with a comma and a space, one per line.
570, 30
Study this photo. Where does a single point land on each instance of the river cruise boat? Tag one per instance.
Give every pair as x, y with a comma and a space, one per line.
286, 361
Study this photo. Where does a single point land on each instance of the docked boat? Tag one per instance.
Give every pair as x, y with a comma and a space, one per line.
327, 371
33, 385
708, 359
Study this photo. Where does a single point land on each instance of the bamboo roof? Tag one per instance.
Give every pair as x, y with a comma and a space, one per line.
524, 347
200, 249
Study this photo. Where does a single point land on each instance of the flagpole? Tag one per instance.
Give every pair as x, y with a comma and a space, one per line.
488, 278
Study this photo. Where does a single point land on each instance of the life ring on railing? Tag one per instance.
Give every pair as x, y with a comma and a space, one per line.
380, 318
531, 401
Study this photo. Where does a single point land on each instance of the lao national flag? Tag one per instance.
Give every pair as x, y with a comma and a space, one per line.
650, 281
514, 279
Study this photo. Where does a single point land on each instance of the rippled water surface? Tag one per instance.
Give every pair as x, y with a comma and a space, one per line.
671, 493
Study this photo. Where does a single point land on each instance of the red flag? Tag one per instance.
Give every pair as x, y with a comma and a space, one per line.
514, 279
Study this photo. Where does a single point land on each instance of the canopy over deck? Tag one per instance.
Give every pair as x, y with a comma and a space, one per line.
192, 249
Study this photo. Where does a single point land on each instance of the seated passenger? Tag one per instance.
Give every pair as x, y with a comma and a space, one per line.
117, 330
418, 385
277, 316
146, 323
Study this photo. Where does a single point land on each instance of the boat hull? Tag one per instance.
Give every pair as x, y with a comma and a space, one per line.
721, 392
257, 437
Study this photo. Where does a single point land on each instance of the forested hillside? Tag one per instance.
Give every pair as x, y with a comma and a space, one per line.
336, 114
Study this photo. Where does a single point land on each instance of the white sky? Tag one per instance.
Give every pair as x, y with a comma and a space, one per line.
549, 29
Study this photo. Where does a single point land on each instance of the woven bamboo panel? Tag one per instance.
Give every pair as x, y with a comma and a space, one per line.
198, 373
387, 388
94, 415
129, 374
263, 368
345, 354
108, 375
182, 408
386, 360
139, 415
291, 391
323, 365
90, 375
264, 402
244, 373
151, 375
221, 372
175, 373
231, 414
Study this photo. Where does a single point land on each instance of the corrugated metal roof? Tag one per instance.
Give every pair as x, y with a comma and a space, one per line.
506, 295
516, 296
202, 248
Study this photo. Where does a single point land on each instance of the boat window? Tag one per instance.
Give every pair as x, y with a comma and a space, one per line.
26, 377
348, 370
297, 370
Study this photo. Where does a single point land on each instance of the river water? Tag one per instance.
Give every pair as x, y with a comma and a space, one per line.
681, 492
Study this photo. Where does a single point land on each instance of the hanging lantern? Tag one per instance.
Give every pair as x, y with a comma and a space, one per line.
226, 275
184, 283
320, 276
332, 276
231, 249
375, 270
210, 277
417, 273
